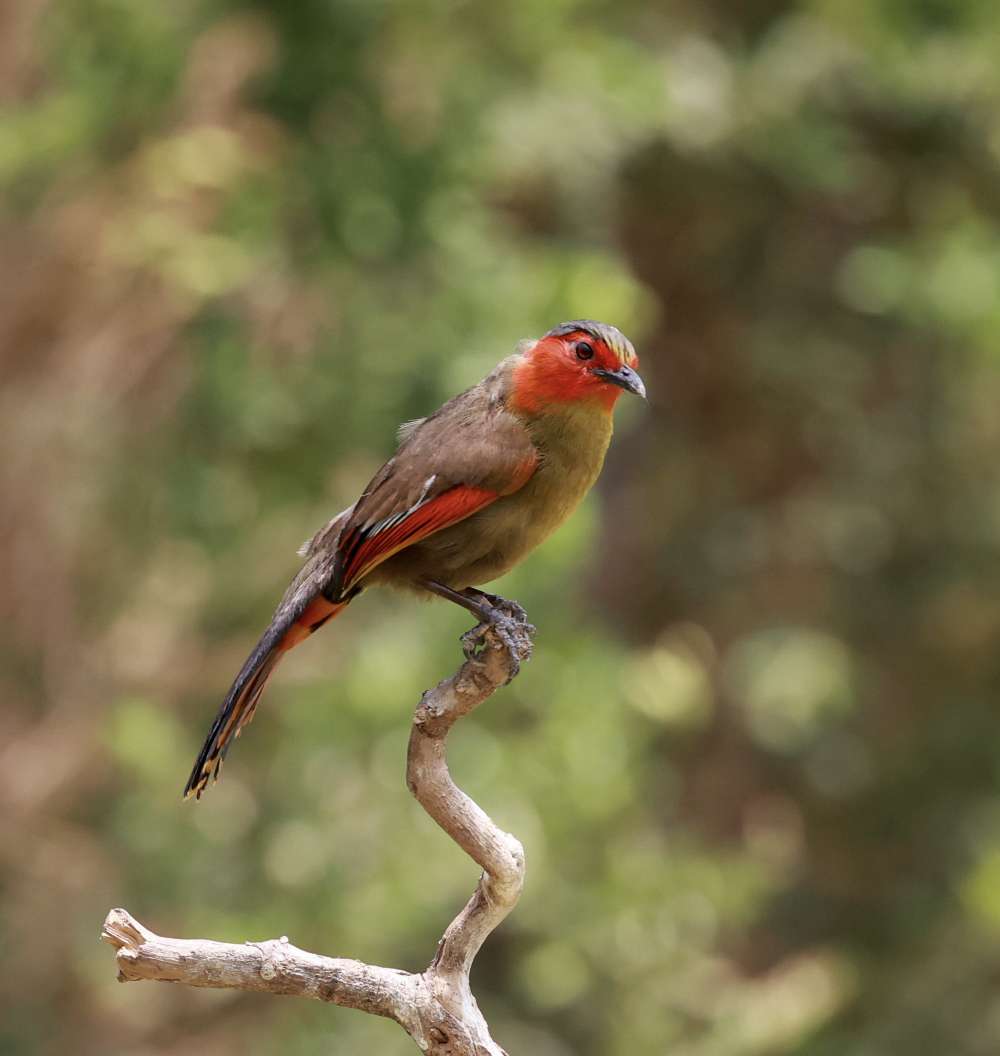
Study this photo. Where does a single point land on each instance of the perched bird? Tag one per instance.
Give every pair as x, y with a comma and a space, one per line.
471, 490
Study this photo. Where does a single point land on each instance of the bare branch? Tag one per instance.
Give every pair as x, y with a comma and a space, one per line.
275, 966
436, 1008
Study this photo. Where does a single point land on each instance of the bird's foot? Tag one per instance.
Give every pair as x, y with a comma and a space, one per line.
504, 621
508, 622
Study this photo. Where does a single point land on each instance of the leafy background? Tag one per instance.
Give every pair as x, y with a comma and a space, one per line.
755, 762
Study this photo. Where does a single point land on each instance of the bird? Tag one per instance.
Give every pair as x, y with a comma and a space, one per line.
471, 490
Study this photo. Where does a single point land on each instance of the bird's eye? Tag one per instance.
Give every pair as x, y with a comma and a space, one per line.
584, 350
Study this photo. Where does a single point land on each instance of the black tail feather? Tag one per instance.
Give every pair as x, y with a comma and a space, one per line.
237, 710
303, 610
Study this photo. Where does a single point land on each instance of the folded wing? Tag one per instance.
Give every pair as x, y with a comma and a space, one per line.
448, 467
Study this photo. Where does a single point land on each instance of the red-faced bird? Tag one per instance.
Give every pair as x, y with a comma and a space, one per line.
470, 491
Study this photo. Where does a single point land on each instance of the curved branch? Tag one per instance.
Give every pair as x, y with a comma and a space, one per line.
436, 1007
499, 854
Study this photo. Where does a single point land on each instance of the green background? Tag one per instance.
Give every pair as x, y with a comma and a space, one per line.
755, 762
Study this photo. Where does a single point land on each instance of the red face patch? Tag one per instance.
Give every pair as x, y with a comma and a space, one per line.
561, 369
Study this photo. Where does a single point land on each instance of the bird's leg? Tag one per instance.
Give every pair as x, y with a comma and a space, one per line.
507, 618
490, 608
495, 601
478, 606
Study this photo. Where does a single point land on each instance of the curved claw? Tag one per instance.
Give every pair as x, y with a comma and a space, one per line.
473, 641
512, 629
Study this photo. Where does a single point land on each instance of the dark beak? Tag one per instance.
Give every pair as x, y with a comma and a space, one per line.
625, 378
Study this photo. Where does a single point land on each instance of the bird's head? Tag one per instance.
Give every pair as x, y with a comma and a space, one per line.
575, 362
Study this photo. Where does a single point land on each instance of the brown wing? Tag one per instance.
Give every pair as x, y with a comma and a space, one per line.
448, 466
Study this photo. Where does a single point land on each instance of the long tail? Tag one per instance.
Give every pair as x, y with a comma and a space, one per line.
285, 632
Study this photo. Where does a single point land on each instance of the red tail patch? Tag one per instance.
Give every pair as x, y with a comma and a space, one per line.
316, 613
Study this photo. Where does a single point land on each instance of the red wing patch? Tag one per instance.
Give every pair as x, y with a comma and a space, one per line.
362, 553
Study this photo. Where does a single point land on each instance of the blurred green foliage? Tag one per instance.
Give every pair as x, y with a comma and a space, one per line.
755, 761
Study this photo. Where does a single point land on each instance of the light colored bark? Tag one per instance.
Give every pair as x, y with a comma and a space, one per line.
435, 1007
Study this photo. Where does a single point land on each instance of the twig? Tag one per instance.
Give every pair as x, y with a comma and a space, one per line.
435, 1007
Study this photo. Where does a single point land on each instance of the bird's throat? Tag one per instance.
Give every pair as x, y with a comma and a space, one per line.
572, 439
